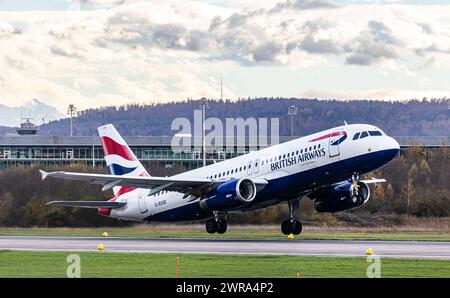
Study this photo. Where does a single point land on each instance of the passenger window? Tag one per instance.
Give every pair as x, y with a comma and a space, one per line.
356, 136
375, 133
314, 147
318, 146
296, 153
364, 134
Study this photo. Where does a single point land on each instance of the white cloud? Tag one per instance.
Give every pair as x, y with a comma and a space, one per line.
377, 94
141, 51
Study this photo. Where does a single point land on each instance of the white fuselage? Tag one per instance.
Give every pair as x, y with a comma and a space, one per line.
317, 156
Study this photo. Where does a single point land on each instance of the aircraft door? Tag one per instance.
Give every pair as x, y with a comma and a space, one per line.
256, 167
249, 168
333, 144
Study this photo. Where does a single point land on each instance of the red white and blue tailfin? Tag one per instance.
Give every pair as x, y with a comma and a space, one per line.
119, 157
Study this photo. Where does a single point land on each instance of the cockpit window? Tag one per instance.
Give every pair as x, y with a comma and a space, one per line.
375, 133
356, 136
364, 134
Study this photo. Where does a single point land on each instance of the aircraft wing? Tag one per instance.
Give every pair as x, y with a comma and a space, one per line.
87, 204
373, 180
156, 184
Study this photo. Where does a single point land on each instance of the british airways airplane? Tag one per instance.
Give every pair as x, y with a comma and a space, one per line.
324, 167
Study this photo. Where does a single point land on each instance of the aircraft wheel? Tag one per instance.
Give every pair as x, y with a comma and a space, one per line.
221, 226
211, 226
296, 227
286, 228
360, 200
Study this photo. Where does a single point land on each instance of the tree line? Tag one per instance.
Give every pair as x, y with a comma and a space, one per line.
398, 118
418, 185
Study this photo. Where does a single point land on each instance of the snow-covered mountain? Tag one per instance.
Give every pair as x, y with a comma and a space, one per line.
40, 111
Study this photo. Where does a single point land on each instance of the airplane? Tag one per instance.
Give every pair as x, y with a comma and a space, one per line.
324, 166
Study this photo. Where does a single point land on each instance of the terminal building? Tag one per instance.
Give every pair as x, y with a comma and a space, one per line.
37, 150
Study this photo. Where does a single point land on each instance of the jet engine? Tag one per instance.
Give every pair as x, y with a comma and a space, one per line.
340, 197
230, 195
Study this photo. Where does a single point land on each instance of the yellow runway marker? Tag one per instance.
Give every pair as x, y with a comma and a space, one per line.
105, 234
290, 236
100, 247
369, 252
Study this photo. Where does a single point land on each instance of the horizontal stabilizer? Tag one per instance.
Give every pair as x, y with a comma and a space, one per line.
87, 204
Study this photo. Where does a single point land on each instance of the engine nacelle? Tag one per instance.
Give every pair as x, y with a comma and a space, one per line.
230, 195
344, 196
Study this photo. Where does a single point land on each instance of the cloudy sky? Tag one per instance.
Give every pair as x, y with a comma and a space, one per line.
104, 52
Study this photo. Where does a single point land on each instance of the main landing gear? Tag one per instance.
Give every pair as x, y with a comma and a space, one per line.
217, 224
291, 225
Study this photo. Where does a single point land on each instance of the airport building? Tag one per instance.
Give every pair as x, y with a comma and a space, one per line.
62, 150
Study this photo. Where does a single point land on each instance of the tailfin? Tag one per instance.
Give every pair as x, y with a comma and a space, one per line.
120, 159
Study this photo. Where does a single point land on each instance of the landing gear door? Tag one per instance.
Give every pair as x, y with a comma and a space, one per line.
334, 140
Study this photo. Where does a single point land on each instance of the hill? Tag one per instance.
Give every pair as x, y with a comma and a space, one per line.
412, 118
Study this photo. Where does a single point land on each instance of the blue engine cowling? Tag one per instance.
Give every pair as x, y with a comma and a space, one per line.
230, 195
343, 196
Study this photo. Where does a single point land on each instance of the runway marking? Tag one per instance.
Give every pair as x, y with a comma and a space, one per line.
299, 247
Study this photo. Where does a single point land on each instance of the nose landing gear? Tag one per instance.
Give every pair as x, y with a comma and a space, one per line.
356, 196
291, 225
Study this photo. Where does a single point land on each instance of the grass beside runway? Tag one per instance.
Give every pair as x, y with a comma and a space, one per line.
104, 264
237, 232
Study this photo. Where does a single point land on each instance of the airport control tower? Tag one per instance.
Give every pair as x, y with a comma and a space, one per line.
27, 127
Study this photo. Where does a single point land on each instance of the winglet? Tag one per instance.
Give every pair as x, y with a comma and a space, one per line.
44, 174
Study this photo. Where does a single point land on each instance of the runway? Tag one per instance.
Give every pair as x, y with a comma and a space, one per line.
297, 247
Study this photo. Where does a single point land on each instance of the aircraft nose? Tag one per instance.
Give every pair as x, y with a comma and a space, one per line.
390, 147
